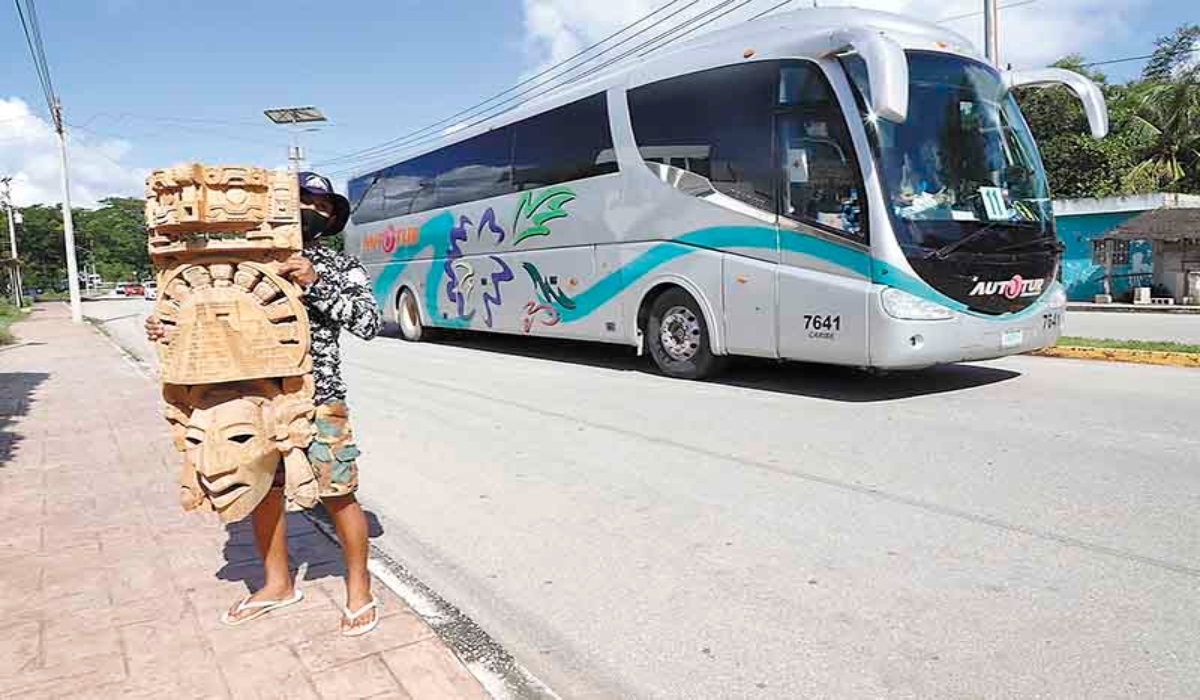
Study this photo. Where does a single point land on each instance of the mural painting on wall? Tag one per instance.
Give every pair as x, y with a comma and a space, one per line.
475, 281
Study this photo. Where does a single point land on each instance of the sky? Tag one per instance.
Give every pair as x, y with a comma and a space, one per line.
148, 84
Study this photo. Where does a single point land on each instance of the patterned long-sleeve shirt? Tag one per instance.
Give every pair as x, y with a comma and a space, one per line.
340, 298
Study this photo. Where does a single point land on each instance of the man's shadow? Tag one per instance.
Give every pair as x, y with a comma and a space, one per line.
309, 548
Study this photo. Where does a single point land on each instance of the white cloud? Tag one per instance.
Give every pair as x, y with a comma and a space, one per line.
29, 154
1031, 35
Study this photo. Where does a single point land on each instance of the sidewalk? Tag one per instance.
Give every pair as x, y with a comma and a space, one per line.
107, 589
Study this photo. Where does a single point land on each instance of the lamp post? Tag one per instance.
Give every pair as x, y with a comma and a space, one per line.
294, 116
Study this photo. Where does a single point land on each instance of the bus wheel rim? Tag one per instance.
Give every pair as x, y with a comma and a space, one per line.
680, 333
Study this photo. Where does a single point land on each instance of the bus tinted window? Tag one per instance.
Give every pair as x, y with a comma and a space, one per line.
409, 187
716, 123
475, 169
822, 177
563, 144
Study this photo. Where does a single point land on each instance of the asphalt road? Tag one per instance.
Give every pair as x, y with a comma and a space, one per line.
1021, 528
1181, 328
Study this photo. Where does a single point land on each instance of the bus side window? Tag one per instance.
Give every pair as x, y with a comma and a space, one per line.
475, 169
822, 183
716, 122
563, 144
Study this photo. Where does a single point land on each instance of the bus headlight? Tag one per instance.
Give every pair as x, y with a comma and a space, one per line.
907, 307
1057, 299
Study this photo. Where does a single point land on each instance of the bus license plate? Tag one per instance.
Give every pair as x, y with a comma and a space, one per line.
1012, 339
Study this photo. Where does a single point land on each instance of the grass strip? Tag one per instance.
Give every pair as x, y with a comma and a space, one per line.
1109, 343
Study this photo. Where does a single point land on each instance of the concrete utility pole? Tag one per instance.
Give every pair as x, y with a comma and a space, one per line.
14, 273
68, 223
991, 31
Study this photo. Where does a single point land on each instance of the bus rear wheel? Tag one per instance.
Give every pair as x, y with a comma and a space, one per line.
678, 337
408, 317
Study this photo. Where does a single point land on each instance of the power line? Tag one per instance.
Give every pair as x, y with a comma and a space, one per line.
766, 12
474, 111
485, 117
121, 116
698, 26
1129, 59
36, 53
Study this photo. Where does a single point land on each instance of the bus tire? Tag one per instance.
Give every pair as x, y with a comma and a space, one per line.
408, 317
678, 338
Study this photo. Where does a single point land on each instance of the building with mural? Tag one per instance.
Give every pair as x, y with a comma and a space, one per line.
1144, 241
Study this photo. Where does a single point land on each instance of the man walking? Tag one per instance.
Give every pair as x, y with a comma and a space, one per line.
337, 294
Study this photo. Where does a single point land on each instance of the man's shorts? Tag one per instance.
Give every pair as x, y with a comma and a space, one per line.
333, 453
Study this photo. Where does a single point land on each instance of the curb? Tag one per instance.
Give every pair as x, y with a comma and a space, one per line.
501, 675
1161, 310
1141, 357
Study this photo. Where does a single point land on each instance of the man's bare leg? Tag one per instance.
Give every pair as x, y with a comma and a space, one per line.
351, 525
270, 536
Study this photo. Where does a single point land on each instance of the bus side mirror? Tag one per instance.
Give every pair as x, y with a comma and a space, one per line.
1088, 92
887, 69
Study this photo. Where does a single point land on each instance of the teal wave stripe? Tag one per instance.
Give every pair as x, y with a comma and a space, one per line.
436, 232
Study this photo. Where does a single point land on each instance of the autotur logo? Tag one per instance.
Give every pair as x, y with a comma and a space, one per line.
1012, 289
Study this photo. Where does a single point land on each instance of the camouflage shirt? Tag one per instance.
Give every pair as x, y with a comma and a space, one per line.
340, 298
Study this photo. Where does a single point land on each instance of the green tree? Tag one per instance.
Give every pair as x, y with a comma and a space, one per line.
1167, 117
114, 236
40, 244
1173, 53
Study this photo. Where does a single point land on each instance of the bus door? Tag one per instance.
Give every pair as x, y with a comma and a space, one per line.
823, 281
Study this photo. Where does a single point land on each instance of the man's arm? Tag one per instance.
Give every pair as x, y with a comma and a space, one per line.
353, 305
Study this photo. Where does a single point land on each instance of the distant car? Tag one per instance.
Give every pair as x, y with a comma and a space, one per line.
133, 289
151, 292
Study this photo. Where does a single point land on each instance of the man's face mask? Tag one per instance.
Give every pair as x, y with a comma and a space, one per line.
313, 223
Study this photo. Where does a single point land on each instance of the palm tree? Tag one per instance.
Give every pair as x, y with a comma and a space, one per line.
1166, 115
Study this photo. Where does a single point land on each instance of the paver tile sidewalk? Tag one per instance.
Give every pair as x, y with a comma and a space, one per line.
108, 590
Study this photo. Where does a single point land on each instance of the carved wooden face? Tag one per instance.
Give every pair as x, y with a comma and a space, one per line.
232, 449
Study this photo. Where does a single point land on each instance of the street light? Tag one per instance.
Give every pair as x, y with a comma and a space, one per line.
293, 116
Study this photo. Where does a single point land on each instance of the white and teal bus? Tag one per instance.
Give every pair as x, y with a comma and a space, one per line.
836, 186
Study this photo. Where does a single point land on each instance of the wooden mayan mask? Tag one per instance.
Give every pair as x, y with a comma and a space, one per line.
235, 437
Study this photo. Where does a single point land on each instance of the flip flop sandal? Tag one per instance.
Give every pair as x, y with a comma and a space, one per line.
260, 609
351, 616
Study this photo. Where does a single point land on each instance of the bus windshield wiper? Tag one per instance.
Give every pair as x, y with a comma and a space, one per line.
1051, 241
948, 249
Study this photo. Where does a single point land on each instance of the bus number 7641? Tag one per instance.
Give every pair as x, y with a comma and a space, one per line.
821, 322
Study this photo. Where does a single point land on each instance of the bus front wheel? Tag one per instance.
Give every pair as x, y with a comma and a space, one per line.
408, 317
678, 337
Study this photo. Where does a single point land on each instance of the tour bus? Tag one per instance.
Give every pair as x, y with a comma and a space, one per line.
836, 186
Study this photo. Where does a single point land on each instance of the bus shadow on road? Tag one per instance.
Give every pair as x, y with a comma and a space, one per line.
818, 381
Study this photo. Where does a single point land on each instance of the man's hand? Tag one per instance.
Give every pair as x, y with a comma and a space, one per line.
155, 330
299, 269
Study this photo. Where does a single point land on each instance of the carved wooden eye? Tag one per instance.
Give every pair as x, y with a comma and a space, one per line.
241, 439
194, 441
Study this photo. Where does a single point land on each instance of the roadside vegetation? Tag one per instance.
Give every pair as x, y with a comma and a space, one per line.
8, 314
1110, 344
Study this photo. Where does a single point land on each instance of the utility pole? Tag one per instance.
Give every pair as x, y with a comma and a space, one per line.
991, 31
14, 273
68, 223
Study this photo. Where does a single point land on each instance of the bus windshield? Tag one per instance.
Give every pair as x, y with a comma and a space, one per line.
962, 172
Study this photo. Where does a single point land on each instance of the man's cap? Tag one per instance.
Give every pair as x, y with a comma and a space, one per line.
319, 186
